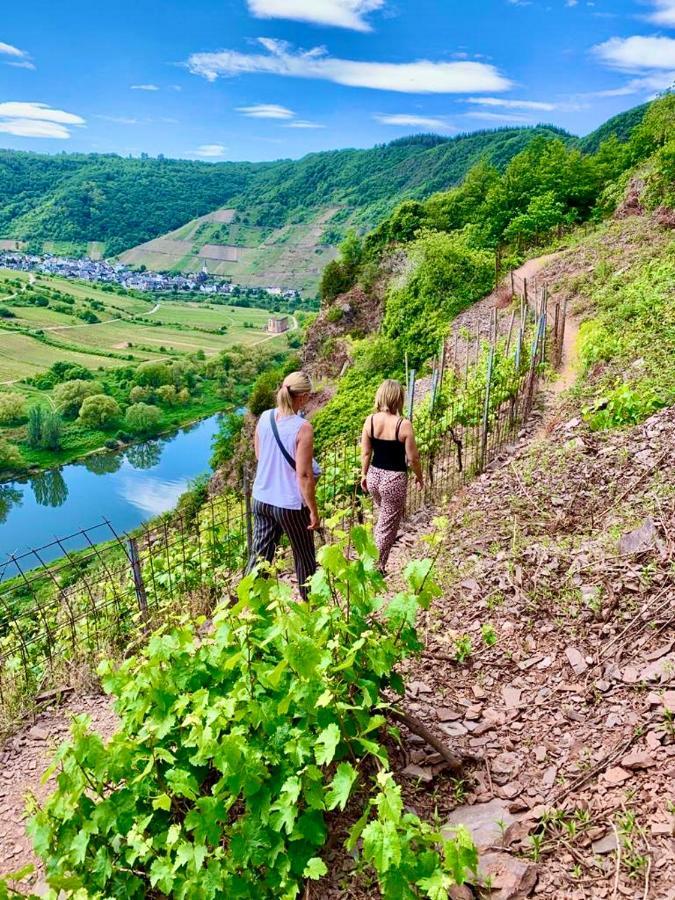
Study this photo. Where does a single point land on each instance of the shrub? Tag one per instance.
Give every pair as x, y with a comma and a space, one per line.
264, 392
142, 418
12, 409
6, 313
153, 374
99, 411
446, 276
10, 457
234, 749
70, 395
167, 395
139, 394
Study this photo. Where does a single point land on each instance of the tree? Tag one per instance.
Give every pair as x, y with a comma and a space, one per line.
142, 418
52, 430
12, 409
264, 392
70, 395
34, 426
99, 411
10, 457
153, 374
336, 279
167, 395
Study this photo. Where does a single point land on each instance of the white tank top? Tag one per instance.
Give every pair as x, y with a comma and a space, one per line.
276, 482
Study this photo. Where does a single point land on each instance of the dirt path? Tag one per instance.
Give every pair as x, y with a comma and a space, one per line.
23, 759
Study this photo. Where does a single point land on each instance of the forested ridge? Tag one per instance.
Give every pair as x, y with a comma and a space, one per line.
123, 202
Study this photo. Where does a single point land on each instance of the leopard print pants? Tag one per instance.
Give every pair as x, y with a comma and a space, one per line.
388, 490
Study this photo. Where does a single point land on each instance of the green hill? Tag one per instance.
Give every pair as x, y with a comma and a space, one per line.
620, 126
71, 200
274, 223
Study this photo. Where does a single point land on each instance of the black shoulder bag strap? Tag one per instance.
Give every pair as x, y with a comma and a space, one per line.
275, 431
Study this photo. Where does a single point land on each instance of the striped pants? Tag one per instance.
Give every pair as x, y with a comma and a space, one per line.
388, 490
269, 523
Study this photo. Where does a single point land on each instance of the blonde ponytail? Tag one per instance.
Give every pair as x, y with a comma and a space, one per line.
294, 384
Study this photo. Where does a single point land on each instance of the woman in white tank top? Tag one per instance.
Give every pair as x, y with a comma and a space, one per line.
284, 490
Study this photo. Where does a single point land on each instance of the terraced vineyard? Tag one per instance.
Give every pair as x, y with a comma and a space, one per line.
224, 243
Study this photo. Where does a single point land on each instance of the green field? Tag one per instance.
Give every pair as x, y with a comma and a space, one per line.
129, 328
207, 356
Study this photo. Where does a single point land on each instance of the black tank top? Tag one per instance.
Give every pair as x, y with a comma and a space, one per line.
388, 454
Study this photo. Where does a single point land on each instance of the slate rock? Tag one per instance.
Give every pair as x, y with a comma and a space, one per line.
640, 539
616, 775
510, 877
607, 844
639, 759
481, 819
576, 660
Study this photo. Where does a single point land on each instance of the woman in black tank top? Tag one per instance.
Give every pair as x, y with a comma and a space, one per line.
387, 449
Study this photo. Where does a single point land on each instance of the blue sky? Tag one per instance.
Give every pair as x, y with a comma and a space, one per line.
263, 79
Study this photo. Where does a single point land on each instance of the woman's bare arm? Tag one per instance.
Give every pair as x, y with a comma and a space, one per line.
366, 454
411, 451
304, 453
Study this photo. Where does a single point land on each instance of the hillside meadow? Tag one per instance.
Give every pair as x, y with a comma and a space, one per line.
85, 367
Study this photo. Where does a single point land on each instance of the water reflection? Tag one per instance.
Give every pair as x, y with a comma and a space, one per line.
103, 463
145, 456
49, 488
124, 488
9, 497
152, 496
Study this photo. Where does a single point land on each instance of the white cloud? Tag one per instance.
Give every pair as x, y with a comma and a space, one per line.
649, 84
33, 128
419, 77
119, 120
9, 50
638, 53
36, 120
266, 111
144, 87
303, 123
19, 58
338, 13
38, 111
210, 151
512, 104
664, 13
499, 117
404, 120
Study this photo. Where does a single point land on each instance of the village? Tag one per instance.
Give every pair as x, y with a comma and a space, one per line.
103, 272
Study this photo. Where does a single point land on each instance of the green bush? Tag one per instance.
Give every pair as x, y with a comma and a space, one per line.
264, 392
234, 748
446, 275
99, 411
10, 457
70, 395
142, 418
12, 409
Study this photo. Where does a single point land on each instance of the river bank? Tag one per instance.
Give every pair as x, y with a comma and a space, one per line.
80, 443
125, 488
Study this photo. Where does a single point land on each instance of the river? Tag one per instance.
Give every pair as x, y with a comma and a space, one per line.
126, 488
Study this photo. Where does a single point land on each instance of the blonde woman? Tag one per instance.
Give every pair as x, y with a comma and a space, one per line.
284, 490
387, 449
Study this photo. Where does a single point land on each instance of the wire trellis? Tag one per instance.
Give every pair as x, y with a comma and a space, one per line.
107, 590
